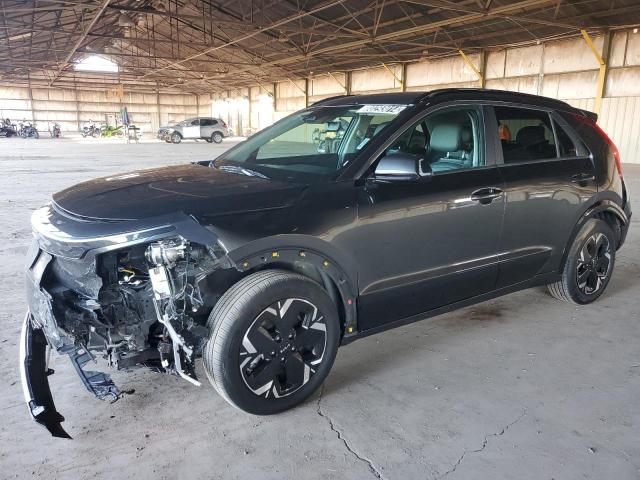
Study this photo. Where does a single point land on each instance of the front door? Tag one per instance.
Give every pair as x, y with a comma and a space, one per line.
192, 129
428, 243
548, 177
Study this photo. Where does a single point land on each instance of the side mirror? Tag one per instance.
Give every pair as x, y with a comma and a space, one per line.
402, 167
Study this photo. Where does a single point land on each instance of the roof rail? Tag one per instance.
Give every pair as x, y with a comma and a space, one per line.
330, 98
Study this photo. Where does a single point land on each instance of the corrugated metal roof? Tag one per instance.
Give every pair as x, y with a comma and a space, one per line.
200, 45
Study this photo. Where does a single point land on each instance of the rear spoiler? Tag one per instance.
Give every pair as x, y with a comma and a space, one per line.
586, 113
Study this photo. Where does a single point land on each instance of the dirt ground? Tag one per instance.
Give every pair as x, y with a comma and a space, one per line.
522, 387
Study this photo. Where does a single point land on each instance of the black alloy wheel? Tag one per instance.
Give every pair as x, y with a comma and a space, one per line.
273, 339
282, 347
593, 264
589, 265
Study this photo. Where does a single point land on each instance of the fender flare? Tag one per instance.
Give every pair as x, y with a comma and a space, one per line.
592, 211
300, 253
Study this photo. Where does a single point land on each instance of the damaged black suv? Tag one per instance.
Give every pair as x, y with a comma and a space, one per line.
355, 215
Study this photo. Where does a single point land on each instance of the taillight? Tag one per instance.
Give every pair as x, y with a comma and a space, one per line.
224, 124
605, 137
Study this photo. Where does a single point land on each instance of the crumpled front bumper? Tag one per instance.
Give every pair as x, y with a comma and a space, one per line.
40, 330
34, 376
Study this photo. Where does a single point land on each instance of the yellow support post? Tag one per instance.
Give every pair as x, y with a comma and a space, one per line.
393, 74
472, 66
602, 74
338, 81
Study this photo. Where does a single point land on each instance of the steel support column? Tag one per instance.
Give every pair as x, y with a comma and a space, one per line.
602, 62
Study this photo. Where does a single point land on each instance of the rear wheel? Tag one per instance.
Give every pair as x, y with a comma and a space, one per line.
176, 137
589, 264
274, 337
216, 137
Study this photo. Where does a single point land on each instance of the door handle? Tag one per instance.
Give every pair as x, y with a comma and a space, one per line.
486, 195
582, 177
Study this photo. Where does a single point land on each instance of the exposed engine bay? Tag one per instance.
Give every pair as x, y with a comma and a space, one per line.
145, 305
151, 307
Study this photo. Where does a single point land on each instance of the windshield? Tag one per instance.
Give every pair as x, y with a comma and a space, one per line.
316, 142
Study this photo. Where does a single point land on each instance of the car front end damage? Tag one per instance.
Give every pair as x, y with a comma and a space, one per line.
164, 133
134, 294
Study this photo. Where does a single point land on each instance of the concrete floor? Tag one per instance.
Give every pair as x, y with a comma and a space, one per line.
520, 387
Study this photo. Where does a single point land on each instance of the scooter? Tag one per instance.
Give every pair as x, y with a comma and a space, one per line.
7, 129
28, 130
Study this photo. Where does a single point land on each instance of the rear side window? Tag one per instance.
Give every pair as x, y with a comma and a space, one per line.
525, 134
565, 145
206, 122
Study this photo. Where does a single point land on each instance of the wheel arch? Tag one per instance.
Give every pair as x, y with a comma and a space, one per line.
309, 256
604, 209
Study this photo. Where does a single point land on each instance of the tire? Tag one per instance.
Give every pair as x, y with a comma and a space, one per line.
254, 359
589, 265
209, 140
216, 137
176, 137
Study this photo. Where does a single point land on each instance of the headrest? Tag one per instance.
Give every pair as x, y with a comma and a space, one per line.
379, 127
445, 137
531, 135
465, 135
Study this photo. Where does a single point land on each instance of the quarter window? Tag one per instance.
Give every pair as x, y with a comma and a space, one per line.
565, 144
525, 134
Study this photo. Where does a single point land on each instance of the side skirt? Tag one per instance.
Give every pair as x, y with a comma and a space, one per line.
536, 281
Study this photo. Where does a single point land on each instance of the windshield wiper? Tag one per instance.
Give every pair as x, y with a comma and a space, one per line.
240, 170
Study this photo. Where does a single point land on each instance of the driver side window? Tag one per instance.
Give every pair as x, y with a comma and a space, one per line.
448, 139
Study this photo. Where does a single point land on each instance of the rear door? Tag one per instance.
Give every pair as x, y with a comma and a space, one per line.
207, 127
548, 175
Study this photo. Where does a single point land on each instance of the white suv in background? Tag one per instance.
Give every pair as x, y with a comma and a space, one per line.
205, 128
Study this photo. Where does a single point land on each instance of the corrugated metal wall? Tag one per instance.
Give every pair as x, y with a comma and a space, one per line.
564, 69
73, 109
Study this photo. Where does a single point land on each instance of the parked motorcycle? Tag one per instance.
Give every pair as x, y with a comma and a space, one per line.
56, 132
27, 129
91, 131
109, 131
7, 129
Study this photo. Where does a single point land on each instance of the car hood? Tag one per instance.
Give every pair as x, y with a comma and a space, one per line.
193, 189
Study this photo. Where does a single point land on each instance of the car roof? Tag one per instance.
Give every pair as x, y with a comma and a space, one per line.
406, 98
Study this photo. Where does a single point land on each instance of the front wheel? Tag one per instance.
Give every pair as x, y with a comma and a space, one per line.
217, 137
589, 264
274, 337
176, 138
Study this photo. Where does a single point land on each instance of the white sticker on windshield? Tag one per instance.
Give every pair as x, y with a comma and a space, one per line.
391, 109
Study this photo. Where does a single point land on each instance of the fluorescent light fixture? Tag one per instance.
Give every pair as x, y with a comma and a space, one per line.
97, 63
